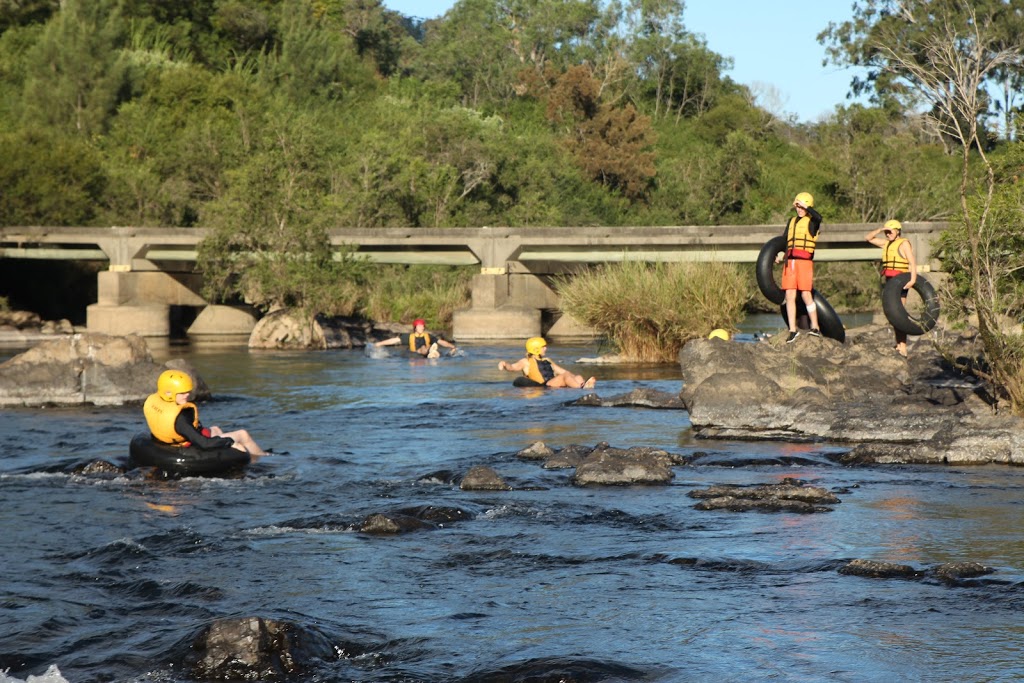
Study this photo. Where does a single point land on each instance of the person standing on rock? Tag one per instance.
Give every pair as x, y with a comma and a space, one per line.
897, 258
543, 371
420, 341
174, 420
798, 273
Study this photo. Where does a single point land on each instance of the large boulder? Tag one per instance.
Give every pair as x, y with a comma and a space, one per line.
861, 392
86, 368
290, 329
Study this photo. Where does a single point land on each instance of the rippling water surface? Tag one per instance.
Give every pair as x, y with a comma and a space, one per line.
109, 579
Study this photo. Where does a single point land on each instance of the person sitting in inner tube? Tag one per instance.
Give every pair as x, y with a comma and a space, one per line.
420, 341
174, 420
544, 371
897, 258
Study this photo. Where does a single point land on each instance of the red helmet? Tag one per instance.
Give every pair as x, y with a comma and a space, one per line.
419, 321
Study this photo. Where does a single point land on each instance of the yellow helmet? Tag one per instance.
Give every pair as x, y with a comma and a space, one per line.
805, 198
173, 382
719, 334
534, 345
893, 225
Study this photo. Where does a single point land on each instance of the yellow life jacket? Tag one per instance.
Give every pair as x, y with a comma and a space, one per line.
415, 337
539, 369
160, 416
799, 240
893, 262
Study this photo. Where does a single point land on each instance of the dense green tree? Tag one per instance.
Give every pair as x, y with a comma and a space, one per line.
885, 166
676, 71
49, 178
612, 144
269, 245
76, 73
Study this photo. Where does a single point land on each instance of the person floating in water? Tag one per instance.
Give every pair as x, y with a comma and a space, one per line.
420, 341
174, 420
544, 371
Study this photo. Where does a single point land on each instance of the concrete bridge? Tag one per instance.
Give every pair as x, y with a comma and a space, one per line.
152, 269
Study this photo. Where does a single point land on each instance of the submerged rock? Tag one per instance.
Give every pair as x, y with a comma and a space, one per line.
637, 398
954, 572
791, 495
99, 468
482, 478
536, 451
257, 649
427, 517
879, 570
604, 465
609, 466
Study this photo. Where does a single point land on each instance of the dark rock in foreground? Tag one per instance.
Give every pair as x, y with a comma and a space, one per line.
637, 398
424, 518
257, 649
791, 495
482, 478
604, 465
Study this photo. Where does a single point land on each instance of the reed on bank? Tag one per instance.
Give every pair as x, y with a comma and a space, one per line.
649, 310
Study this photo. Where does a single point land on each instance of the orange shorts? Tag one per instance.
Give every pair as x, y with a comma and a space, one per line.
798, 274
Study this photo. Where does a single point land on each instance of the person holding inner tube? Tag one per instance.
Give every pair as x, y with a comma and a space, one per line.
544, 371
798, 273
420, 341
897, 258
174, 420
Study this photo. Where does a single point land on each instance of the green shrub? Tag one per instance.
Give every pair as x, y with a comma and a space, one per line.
650, 310
397, 293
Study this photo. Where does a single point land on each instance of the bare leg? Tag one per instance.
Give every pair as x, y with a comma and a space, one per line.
791, 309
566, 379
812, 310
901, 342
244, 442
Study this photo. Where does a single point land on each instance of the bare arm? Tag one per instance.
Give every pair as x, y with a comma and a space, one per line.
389, 342
559, 370
512, 367
874, 238
445, 343
908, 253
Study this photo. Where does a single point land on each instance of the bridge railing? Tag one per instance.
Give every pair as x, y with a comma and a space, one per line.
496, 250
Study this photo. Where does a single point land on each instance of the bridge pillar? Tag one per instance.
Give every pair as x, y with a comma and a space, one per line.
492, 315
148, 320
140, 301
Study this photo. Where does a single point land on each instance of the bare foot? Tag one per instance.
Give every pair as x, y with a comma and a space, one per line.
589, 384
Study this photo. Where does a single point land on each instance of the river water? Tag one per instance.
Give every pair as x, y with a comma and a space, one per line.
109, 579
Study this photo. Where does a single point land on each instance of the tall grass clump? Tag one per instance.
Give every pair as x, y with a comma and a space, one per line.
650, 310
398, 293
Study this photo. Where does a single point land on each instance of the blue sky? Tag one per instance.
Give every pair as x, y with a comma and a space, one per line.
772, 43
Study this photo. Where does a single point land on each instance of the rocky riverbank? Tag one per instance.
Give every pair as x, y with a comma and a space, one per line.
862, 393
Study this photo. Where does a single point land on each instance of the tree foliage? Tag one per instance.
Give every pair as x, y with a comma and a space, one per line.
273, 120
943, 54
